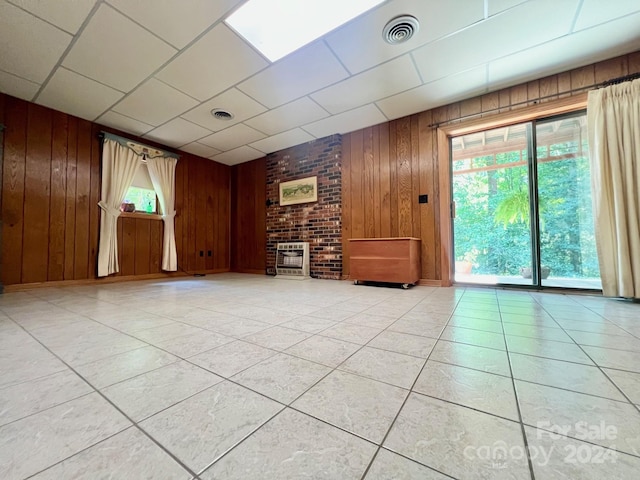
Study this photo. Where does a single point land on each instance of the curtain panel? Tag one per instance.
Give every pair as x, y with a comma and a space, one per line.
162, 171
613, 117
119, 166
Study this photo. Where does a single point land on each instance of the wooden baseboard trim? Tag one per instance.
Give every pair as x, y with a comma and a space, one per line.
422, 282
20, 287
250, 270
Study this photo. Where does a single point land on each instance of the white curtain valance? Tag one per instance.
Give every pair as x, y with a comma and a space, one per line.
139, 149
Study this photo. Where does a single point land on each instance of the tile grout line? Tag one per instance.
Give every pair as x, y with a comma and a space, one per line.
393, 422
133, 423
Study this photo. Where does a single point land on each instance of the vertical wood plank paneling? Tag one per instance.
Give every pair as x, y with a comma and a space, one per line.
94, 198
38, 184
58, 196
609, 69
564, 84
248, 183
224, 212
490, 102
583, 77
416, 175
155, 245
15, 142
385, 182
428, 174
357, 201
403, 168
549, 87
519, 95
121, 245
368, 193
143, 249
393, 180
376, 182
70, 200
83, 194
127, 248
212, 205
533, 92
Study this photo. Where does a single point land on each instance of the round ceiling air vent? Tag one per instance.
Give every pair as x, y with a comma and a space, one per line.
400, 29
221, 114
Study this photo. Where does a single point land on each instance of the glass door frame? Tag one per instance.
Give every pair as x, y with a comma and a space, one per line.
443, 135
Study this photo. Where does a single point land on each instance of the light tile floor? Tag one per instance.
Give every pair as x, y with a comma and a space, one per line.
249, 377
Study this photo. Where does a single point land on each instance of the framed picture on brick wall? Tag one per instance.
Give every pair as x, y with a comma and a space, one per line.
304, 190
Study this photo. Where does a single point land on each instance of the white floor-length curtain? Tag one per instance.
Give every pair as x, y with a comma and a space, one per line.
119, 166
613, 116
162, 171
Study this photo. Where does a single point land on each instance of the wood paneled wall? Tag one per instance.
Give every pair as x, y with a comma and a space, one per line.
50, 190
203, 206
248, 211
385, 167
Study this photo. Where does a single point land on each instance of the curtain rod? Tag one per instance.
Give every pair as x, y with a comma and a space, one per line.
142, 149
613, 81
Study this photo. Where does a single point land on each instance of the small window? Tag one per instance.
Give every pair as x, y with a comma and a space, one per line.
143, 198
141, 192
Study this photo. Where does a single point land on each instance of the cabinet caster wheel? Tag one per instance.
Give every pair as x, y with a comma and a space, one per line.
355, 282
405, 286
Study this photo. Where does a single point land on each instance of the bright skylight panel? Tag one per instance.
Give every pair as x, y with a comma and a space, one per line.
278, 27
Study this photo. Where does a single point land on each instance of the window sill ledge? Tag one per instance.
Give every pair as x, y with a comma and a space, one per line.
141, 215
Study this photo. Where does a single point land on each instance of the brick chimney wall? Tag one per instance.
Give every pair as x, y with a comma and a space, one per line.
318, 223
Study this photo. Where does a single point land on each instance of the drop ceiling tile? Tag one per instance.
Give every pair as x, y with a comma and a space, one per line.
234, 101
117, 52
80, 96
584, 47
524, 26
497, 6
379, 82
437, 19
232, 137
214, 63
30, 47
69, 18
286, 117
282, 140
121, 122
440, 92
177, 132
594, 12
177, 22
307, 70
200, 150
346, 122
17, 87
238, 155
155, 103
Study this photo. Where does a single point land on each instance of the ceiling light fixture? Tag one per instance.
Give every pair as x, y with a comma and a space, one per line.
221, 114
400, 29
278, 27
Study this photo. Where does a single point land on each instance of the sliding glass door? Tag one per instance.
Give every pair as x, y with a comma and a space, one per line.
522, 206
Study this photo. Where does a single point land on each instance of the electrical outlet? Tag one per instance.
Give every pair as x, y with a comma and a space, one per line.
423, 198
202, 253
208, 253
